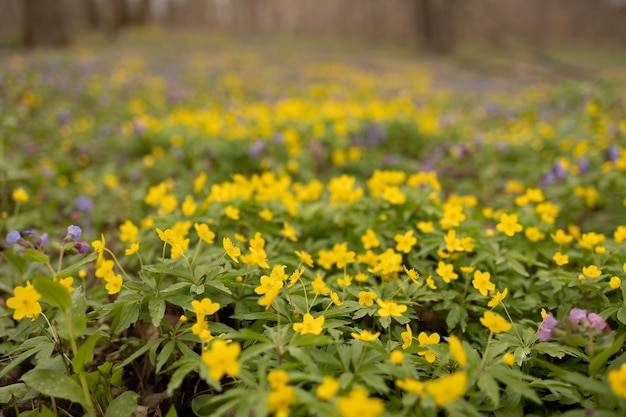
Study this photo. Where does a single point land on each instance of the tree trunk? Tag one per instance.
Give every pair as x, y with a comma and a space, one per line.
45, 23
435, 25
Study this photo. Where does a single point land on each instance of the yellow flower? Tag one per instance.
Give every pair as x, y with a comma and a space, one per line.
134, 248
456, 348
327, 389
495, 322
425, 227
359, 404
482, 282
128, 231
189, 206
98, 247
390, 308
620, 234
289, 232
277, 378
407, 337
319, 287
370, 240
509, 224
25, 302
266, 214
20, 195
447, 388
222, 359
615, 283
446, 271
204, 232
411, 385
67, 283
413, 274
280, 400
367, 298
310, 325
396, 357
534, 234
560, 259
430, 282
231, 212
335, 298
206, 307
509, 359
405, 242
365, 336
424, 340
233, 251
113, 283
617, 380
560, 237
497, 298
305, 258
591, 271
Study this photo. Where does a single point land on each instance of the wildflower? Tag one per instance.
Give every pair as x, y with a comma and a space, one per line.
509, 224
132, 250
305, 258
359, 404
453, 243
482, 282
509, 359
82, 247
617, 380
266, 214
198, 182
424, 340
447, 388
446, 271
456, 348
204, 232
560, 237
591, 239
620, 234
497, 298
281, 399
365, 336
405, 242
346, 281
591, 271
205, 307
468, 269
360, 277
367, 298
222, 359
341, 255
129, 231
411, 385
390, 308
277, 378
105, 269
615, 283
67, 283
430, 282
396, 357
189, 206
576, 315
545, 331
20, 195
327, 389
425, 227
73, 233
13, 237
113, 283
413, 274
231, 212
534, 234
370, 240
319, 286
233, 251
310, 325
176, 240
289, 232
335, 298
560, 259
495, 322
25, 302
596, 322
407, 337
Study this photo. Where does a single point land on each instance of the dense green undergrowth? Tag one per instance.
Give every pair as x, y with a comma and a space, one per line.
238, 231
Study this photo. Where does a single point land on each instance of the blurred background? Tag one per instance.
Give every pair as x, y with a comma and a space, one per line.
437, 26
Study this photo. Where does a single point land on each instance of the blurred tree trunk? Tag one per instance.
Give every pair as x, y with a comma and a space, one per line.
114, 15
44, 23
91, 11
142, 13
435, 25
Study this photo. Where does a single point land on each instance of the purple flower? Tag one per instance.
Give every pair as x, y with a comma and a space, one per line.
545, 329
576, 315
84, 204
583, 165
83, 248
256, 148
74, 233
596, 321
44, 239
13, 237
544, 334
550, 322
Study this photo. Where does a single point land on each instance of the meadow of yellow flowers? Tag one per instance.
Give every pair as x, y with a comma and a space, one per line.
221, 229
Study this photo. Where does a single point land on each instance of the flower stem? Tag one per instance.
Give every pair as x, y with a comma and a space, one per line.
80, 372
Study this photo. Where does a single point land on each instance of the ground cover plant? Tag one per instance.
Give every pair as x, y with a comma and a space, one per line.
242, 231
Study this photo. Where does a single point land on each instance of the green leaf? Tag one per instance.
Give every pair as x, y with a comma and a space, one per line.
156, 306
165, 354
70, 270
54, 293
123, 406
218, 285
621, 315
172, 412
85, 353
77, 315
602, 357
54, 384
490, 388
13, 391
16, 261
180, 374
33, 255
